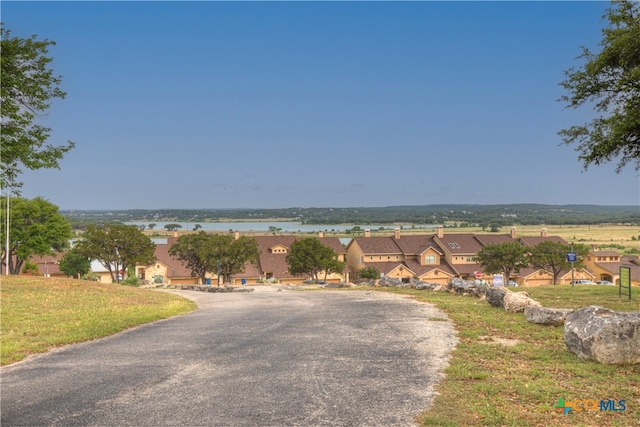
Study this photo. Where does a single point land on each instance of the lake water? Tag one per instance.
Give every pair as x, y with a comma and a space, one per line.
285, 226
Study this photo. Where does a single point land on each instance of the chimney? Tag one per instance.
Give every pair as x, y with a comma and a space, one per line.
367, 233
440, 232
320, 234
513, 233
236, 235
175, 234
543, 232
396, 234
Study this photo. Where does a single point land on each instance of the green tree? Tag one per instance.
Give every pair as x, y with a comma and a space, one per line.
550, 256
172, 227
370, 273
234, 254
74, 264
609, 81
117, 247
27, 90
36, 229
197, 253
203, 252
503, 258
309, 256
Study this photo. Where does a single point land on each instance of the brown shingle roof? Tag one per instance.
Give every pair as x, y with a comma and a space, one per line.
459, 244
378, 245
416, 244
175, 267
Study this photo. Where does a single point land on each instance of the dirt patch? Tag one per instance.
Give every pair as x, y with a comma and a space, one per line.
499, 341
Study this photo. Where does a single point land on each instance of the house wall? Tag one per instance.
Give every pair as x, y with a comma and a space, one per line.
436, 276
355, 257
428, 253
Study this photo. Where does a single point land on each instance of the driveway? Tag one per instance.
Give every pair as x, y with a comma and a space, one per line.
264, 358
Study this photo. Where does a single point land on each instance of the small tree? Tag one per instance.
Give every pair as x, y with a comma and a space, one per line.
74, 264
309, 256
197, 252
36, 229
552, 256
172, 227
503, 258
235, 254
369, 273
117, 247
204, 252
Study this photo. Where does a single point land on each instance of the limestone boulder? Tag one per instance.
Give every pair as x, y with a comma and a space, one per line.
420, 285
546, 315
495, 296
609, 337
515, 302
390, 281
466, 287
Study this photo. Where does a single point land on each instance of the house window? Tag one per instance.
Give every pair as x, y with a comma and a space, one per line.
470, 259
430, 259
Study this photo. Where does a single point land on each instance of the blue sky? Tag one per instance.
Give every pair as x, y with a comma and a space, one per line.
314, 104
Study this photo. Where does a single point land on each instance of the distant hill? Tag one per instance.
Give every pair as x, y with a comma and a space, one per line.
483, 215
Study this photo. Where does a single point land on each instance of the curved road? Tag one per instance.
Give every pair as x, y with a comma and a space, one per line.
263, 358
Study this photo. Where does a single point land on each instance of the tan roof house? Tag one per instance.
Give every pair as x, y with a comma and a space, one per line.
272, 260
400, 257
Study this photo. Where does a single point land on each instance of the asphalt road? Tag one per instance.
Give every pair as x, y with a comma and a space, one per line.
263, 358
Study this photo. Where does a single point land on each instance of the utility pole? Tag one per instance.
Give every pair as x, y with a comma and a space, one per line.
7, 253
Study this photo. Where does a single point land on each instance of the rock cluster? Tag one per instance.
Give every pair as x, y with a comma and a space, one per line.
597, 333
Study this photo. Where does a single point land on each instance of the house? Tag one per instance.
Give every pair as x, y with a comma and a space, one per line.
271, 267
605, 265
400, 257
439, 257
166, 269
48, 265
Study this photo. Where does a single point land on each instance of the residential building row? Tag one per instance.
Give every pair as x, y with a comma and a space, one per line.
435, 258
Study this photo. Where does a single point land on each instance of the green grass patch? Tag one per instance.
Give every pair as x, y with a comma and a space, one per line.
488, 383
38, 313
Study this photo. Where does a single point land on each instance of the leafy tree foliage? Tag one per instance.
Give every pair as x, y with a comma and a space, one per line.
36, 229
552, 256
28, 87
197, 251
74, 264
610, 81
310, 256
503, 258
370, 273
203, 252
172, 227
234, 254
117, 247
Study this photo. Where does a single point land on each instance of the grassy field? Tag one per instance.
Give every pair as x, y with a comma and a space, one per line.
507, 371
504, 371
41, 313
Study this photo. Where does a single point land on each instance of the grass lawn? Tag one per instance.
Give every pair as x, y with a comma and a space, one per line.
486, 384
41, 313
489, 384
